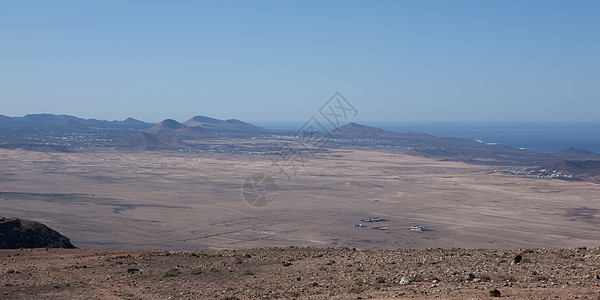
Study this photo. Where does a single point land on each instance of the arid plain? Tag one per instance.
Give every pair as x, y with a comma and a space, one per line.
108, 198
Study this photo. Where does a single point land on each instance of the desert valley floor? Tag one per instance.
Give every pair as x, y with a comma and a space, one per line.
135, 199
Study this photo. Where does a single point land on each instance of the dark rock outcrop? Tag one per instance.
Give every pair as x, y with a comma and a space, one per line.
16, 233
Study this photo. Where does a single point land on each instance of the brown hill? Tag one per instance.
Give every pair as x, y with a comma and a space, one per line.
171, 127
16, 233
588, 167
220, 125
361, 131
166, 127
572, 150
70, 123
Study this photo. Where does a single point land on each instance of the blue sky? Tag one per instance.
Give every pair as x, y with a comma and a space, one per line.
280, 60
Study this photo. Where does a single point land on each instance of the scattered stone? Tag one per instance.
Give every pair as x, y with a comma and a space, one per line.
196, 272
286, 263
450, 278
516, 259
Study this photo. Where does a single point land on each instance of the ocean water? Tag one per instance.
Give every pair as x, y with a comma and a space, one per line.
538, 136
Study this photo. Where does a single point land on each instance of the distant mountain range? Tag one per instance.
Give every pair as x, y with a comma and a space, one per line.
200, 126
51, 133
45, 121
196, 126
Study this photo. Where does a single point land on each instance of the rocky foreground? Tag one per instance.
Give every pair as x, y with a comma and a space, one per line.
300, 273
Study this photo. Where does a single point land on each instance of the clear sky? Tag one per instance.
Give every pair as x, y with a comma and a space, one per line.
280, 60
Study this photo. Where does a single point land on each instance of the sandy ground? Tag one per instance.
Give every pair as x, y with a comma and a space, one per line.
167, 200
299, 273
